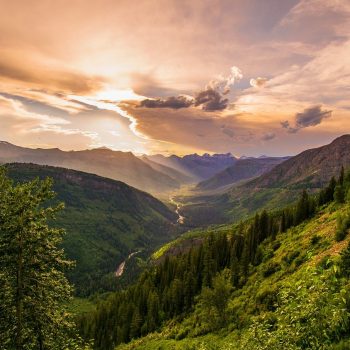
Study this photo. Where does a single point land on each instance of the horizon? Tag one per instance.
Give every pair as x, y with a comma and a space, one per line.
180, 78
139, 155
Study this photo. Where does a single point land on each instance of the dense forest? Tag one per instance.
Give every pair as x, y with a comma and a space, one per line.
205, 276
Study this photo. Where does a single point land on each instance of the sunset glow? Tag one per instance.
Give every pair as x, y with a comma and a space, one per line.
173, 76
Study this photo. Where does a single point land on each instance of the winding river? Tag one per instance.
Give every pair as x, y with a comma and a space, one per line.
181, 219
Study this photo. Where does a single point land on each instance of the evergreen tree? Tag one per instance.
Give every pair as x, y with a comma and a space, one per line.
339, 194
33, 286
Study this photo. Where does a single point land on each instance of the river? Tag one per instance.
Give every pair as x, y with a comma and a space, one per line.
121, 267
181, 219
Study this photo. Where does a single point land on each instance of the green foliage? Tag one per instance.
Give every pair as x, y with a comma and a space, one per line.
211, 310
310, 315
343, 224
32, 283
105, 221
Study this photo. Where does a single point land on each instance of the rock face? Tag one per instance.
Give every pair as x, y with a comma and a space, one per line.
242, 169
122, 166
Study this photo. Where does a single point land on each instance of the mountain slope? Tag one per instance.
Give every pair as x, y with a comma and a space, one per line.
176, 175
280, 186
195, 166
122, 166
242, 169
273, 279
105, 220
296, 296
312, 167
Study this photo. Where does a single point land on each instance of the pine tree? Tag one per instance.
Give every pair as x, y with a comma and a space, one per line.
32, 265
339, 194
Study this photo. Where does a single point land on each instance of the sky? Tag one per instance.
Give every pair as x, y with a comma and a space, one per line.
248, 77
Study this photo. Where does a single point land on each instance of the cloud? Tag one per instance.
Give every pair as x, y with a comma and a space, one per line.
269, 136
258, 82
223, 84
169, 102
211, 100
39, 76
311, 116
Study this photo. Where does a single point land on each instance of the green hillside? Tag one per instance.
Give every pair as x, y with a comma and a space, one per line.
275, 279
106, 220
298, 297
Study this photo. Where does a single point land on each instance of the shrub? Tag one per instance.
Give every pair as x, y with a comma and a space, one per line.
315, 239
291, 256
343, 223
301, 259
266, 299
270, 269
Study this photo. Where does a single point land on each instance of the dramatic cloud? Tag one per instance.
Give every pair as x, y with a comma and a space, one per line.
211, 100
309, 117
258, 82
169, 102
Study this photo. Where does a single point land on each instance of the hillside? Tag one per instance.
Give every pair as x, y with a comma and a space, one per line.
242, 169
313, 167
278, 278
122, 166
295, 297
106, 220
280, 186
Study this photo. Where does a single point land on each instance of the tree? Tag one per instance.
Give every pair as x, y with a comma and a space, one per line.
33, 285
339, 194
213, 301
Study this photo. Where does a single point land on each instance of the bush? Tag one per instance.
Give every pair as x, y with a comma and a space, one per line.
315, 239
291, 256
266, 299
270, 269
343, 223
301, 259
343, 345
325, 263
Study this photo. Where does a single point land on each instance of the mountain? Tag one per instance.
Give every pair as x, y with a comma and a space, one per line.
176, 175
310, 169
242, 169
198, 167
106, 220
313, 167
122, 166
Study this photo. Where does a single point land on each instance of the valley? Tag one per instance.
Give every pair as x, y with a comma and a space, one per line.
120, 236
175, 175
